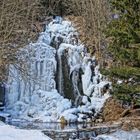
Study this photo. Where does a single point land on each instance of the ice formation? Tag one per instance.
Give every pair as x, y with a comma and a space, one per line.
38, 96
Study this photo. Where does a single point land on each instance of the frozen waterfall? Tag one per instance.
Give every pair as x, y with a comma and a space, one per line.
62, 78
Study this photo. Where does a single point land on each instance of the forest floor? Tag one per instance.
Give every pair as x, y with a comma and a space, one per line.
113, 112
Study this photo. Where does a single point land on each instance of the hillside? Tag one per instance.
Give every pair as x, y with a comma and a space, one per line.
70, 62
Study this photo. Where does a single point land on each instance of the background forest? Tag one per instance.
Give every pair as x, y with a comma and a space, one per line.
110, 29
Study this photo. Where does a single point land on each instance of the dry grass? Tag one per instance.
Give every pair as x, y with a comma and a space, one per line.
95, 14
18, 20
20, 23
112, 110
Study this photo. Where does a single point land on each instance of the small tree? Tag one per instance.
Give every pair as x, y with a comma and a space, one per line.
124, 34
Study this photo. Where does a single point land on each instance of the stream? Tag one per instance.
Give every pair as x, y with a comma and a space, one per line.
72, 131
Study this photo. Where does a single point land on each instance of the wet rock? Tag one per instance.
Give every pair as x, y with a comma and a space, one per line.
105, 88
2, 95
2, 118
99, 120
63, 120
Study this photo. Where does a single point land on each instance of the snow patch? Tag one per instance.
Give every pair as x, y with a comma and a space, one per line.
121, 135
11, 133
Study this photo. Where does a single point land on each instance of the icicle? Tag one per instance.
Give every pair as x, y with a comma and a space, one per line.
35, 96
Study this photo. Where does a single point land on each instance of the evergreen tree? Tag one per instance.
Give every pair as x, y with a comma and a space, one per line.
123, 31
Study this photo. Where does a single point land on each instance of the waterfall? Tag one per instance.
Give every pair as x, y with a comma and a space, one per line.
35, 94
60, 76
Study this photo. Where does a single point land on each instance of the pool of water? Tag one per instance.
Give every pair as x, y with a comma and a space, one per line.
57, 131
50, 126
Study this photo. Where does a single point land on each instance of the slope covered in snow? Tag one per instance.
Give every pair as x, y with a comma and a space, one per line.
36, 97
121, 135
11, 133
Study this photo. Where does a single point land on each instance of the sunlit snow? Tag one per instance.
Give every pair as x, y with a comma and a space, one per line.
11, 133
35, 97
121, 135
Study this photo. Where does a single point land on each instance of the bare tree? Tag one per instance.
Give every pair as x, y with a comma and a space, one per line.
19, 24
17, 27
95, 14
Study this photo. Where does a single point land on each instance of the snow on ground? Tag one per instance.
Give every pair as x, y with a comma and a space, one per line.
121, 135
11, 133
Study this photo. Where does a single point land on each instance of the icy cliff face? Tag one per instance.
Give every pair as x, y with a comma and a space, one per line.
36, 96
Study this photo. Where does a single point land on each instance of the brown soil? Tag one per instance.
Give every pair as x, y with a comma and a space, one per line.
113, 112
130, 123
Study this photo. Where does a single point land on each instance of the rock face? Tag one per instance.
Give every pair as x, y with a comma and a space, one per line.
57, 67
2, 95
2, 119
67, 83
